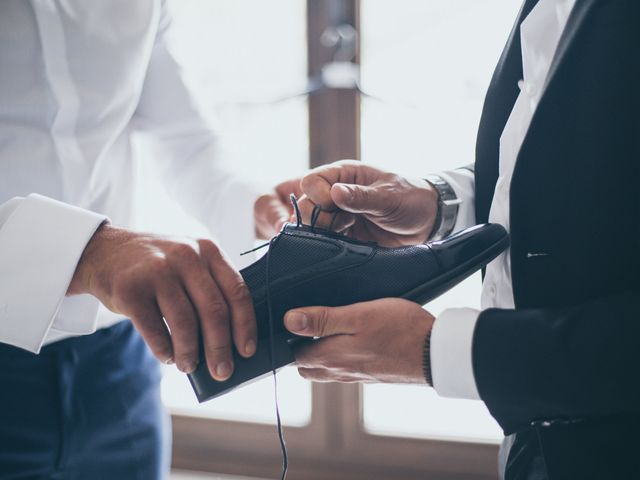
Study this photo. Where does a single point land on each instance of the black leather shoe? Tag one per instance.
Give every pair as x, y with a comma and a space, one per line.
310, 266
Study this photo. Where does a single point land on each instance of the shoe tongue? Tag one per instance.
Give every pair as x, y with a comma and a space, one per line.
290, 227
294, 228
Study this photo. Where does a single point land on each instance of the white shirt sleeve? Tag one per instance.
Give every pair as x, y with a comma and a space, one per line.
462, 181
41, 241
452, 334
187, 152
451, 353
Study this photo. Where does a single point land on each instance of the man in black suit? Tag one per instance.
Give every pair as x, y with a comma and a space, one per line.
554, 351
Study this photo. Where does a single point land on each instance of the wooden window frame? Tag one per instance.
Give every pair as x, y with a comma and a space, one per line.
334, 445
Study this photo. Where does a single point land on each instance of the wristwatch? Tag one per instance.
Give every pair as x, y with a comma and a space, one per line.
448, 204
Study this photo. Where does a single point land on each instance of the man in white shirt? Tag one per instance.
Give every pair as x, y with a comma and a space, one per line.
553, 350
76, 80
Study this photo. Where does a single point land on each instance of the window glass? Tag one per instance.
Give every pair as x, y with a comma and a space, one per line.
243, 57
426, 65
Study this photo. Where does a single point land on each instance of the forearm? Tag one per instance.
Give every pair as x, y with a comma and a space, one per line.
571, 362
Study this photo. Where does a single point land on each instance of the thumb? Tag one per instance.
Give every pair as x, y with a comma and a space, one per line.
318, 321
361, 198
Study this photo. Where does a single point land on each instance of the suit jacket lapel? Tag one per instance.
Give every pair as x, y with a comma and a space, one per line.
501, 96
575, 22
511, 58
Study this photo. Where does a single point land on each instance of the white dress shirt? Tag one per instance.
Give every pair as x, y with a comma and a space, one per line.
77, 79
452, 335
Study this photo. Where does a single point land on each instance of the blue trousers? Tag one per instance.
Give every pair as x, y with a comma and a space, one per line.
85, 408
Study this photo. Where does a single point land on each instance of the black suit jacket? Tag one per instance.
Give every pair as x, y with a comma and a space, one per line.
563, 368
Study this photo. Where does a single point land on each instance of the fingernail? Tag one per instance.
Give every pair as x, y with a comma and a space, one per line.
169, 361
223, 370
250, 347
189, 367
296, 321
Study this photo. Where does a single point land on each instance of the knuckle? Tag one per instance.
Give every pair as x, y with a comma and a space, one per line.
184, 252
307, 181
393, 179
217, 350
185, 321
348, 163
239, 292
361, 195
210, 249
326, 363
321, 321
219, 312
187, 357
144, 316
157, 268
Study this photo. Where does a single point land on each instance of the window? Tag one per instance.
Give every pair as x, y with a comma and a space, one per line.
425, 65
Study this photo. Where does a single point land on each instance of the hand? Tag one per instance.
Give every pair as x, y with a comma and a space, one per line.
272, 211
378, 341
186, 283
372, 204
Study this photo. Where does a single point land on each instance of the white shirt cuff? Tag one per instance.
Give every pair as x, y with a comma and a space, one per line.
41, 242
451, 359
462, 181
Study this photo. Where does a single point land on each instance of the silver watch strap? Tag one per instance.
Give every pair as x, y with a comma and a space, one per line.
448, 204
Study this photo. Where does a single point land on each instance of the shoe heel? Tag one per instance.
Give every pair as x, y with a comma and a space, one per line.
246, 370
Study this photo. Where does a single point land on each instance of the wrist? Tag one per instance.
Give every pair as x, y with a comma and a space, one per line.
420, 201
83, 280
434, 212
421, 358
447, 208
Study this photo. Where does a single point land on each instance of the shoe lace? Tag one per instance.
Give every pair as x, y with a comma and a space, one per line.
315, 214
283, 445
